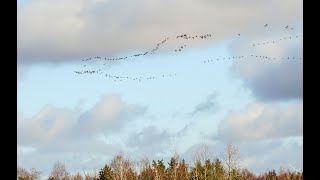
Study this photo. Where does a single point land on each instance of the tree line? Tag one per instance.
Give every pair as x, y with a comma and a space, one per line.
202, 168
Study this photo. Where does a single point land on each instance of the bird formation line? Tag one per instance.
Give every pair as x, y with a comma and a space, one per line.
118, 78
157, 46
254, 56
147, 52
89, 72
185, 36
276, 41
138, 79
125, 57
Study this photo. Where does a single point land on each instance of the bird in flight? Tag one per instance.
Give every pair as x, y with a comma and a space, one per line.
266, 25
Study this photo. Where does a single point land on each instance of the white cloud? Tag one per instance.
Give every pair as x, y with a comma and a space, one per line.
55, 134
262, 156
272, 79
58, 30
156, 142
153, 141
263, 121
52, 124
109, 114
45, 126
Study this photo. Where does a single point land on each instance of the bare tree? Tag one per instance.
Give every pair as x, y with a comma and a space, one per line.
142, 165
77, 177
23, 173
121, 167
35, 174
203, 153
59, 171
231, 159
200, 158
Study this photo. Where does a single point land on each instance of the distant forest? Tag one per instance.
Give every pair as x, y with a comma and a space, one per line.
202, 168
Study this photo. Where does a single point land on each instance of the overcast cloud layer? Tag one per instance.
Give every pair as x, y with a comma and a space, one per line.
68, 30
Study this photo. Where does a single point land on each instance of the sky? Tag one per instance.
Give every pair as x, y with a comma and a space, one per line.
241, 83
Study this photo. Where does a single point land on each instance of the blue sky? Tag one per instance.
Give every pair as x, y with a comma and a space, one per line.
84, 120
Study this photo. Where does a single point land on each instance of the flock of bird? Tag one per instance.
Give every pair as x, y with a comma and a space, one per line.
287, 27
117, 78
157, 46
147, 52
185, 36
276, 41
182, 36
254, 56
89, 72
132, 56
180, 48
138, 79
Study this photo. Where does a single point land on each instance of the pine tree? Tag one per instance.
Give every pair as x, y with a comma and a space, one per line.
171, 172
197, 171
235, 174
159, 169
219, 171
146, 174
183, 173
208, 170
105, 173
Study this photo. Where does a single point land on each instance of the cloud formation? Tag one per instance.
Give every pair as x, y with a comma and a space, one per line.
155, 142
152, 140
52, 124
62, 134
261, 156
278, 78
47, 125
208, 104
63, 31
262, 121
110, 113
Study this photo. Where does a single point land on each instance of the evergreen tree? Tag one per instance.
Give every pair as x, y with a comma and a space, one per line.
219, 172
197, 171
159, 169
105, 173
208, 170
235, 175
183, 173
171, 172
147, 174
